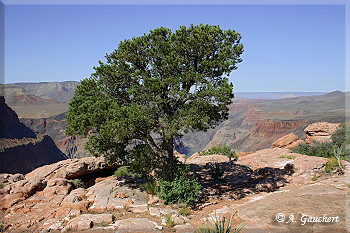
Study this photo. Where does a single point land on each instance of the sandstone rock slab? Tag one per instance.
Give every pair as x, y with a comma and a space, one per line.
70, 168
312, 200
285, 141
136, 225
87, 221
202, 160
184, 228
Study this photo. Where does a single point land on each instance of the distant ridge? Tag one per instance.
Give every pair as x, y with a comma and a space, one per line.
61, 91
274, 95
15, 95
335, 94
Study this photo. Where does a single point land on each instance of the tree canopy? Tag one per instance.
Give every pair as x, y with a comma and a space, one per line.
153, 89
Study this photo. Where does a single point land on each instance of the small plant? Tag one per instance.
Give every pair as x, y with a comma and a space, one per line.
77, 183
314, 178
2, 185
121, 171
125, 171
101, 224
215, 170
185, 210
287, 157
224, 150
168, 221
219, 225
333, 165
150, 187
183, 188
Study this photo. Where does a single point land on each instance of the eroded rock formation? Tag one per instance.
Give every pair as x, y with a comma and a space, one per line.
321, 132
72, 147
21, 150
289, 141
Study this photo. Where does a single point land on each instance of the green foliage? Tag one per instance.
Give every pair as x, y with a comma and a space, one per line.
341, 139
181, 189
185, 210
150, 90
287, 157
2, 185
142, 161
124, 171
324, 149
121, 171
168, 221
342, 135
224, 150
150, 187
339, 146
333, 165
219, 225
77, 183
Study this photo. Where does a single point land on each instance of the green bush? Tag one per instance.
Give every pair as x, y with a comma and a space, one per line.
219, 225
320, 149
334, 166
168, 221
121, 171
150, 187
224, 150
341, 139
77, 183
339, 146
185, 210
181, 189
287, 157
125, 171
342, 135
1, 185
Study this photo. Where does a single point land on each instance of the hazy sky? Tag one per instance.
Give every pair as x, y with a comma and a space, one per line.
287, 47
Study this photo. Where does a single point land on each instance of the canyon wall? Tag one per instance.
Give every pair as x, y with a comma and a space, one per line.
21, 150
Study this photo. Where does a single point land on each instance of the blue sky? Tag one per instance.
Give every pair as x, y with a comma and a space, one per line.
287, 47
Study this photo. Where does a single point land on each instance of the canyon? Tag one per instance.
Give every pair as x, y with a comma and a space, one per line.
253, 124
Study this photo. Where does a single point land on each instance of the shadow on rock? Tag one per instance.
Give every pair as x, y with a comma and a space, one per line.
235, 181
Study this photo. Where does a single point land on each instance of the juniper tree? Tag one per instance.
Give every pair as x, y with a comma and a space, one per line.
153, 89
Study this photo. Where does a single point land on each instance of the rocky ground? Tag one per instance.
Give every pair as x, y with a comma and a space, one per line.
259, 186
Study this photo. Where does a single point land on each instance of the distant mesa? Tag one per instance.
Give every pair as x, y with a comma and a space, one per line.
286, 96
274, 95
60, 91
16, 95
